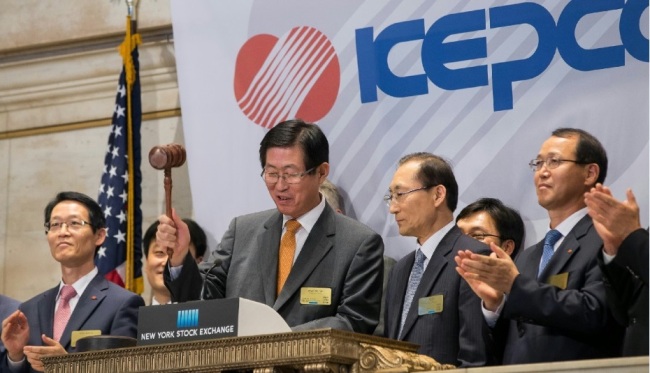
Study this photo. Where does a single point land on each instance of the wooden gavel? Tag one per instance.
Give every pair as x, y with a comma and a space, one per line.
164, 157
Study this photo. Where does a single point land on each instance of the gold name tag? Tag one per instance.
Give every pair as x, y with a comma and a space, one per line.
559, 280
316, 296
78, 334
430, 305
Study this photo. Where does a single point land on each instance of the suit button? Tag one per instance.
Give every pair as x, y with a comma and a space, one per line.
632, 320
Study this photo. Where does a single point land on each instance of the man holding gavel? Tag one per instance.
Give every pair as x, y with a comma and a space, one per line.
315, 267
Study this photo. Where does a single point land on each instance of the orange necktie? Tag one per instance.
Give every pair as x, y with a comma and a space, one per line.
287, 251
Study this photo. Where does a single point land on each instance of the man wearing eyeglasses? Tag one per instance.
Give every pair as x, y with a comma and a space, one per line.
315, 267
84, 303
550, 304
489, 220
426, 301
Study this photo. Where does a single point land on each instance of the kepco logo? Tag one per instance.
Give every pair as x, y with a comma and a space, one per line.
187, 318
373, 50
294, 76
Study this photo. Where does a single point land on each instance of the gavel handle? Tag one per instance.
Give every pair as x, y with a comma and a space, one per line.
168, 201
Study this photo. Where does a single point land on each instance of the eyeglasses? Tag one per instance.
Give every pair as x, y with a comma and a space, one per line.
482, 236
399, 196
551, 163
272, 177
73, 225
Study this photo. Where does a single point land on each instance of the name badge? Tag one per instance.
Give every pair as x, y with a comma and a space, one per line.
78, 334
316, 296
430, 305
559, 280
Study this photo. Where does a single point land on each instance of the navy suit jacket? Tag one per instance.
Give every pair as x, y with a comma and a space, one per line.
102, 306
453, 336
340, 254
626, 283
546, 323
7, 307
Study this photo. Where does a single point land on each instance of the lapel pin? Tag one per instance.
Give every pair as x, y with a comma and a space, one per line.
569, 251
93, 297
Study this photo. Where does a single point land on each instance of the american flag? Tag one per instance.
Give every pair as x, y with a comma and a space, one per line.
112, 259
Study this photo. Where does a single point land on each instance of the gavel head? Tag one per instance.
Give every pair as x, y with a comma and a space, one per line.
163, 157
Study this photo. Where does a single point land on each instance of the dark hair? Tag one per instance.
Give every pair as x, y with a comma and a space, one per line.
588, 149
507, 220
197, 237
434, 170
95, 213
149, 235
308, 136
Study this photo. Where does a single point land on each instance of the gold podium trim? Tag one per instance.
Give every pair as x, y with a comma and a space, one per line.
322, 350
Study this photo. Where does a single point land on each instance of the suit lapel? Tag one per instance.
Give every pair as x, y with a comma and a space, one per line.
89, 300
46, 307
401, 283
317, 245
569, 247
436, 265
268, 260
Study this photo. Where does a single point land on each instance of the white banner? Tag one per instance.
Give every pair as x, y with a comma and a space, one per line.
481, 83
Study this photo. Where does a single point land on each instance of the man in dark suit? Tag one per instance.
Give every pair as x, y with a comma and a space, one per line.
438, 311
550, 304
75, 229
325, 274
7, 307
624, 262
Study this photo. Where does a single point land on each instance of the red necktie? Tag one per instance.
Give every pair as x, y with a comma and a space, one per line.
62, 314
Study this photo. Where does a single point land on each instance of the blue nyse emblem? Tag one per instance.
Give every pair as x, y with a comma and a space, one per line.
187, 319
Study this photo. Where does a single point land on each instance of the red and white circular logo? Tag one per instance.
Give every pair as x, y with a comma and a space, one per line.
294, 76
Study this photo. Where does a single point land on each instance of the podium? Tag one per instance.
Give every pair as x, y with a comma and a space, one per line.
240, 334
322, 350
207, 319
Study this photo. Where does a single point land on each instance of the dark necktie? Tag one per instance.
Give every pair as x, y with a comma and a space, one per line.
549, 241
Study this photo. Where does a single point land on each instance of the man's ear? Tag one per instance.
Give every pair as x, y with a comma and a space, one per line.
593, 170
508, 246
439, 195
323, 171
100, 236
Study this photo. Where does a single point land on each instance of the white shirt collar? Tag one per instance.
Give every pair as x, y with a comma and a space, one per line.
81, 284
309, 219
567, 225
430, 245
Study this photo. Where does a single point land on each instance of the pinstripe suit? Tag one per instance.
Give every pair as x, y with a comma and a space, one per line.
453, 336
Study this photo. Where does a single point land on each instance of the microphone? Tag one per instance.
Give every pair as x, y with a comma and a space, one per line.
217, 262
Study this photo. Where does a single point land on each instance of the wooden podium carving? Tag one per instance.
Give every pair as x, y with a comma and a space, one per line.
323, 350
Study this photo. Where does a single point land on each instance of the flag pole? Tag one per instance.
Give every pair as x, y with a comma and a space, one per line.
131, 41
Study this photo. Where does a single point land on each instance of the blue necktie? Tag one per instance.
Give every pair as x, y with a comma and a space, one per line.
549, 241
414, 281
